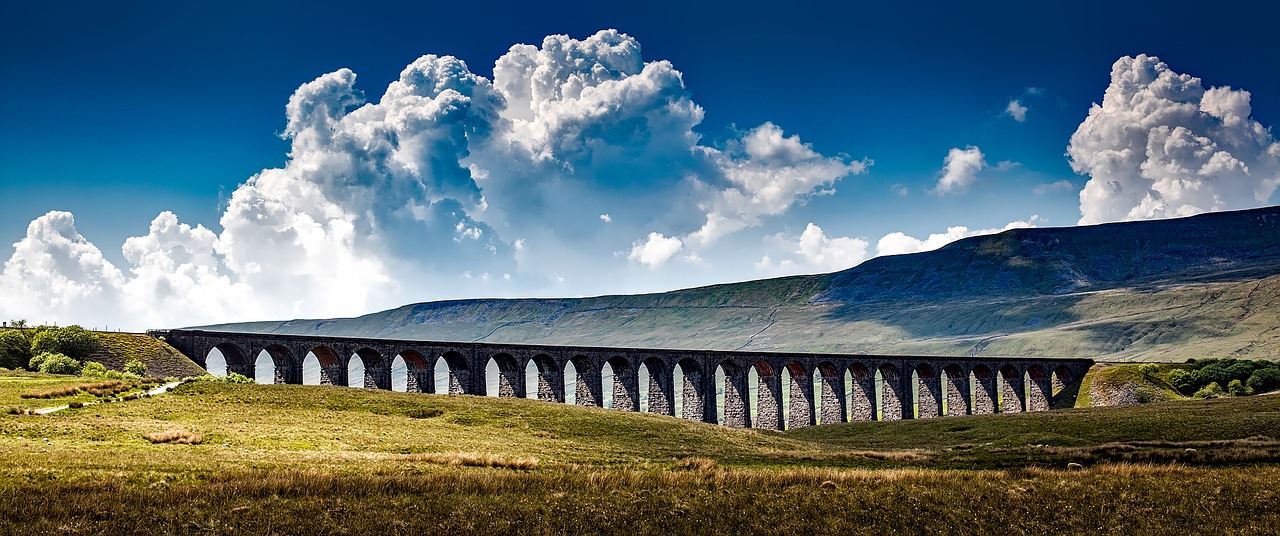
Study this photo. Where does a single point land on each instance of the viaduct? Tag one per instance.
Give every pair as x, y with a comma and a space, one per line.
852, 387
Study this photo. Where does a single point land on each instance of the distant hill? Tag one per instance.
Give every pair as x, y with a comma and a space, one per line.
1203, 286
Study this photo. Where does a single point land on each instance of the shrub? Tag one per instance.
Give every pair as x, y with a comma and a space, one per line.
136, 367
76, 405
1215, 372
1264, 379
1149, 369
15, 349
56, 364
1237, 388
93, 369
231, 377
1213, 390
1186, 381
73, 341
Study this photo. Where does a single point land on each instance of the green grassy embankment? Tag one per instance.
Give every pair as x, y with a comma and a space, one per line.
291, 459
116, 348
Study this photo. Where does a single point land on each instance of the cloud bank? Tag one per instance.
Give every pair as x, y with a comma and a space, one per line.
1161, 145
449, 185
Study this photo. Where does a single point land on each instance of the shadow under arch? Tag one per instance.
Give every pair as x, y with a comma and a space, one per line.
861, 385
451, 378
660, 392
956, 400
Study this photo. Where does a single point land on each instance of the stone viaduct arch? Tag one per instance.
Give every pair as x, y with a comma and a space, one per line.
825, 388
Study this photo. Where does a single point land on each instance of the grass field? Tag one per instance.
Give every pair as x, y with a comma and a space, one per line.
295, 459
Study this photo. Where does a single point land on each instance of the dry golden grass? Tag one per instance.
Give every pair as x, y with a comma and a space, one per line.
53, 393
180, 437
695, 464
468, 459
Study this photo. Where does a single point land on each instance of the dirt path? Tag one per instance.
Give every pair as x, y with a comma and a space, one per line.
158, 390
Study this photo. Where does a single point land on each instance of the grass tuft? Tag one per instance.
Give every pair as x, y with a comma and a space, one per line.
179, 437
466, 459
695, 464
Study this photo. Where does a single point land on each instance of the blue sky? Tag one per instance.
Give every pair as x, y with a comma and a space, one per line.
816, 136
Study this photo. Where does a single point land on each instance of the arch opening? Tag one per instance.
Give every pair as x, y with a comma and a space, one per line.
450, 374
273, 365
502, 377
955, 391
829, 394
356, 372
925, 392
767, 396
657, 396
860, 385
570, 383
376, 374
888, 393
215, 363
983, 388
731, 399
1010, 394
311, 371
691, 398
606, 385
798, 391
586, 382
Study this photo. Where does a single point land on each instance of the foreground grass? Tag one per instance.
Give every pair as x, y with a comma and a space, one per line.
295, 459
1114, 499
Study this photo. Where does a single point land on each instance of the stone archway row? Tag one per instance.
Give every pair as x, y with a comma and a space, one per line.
791, 390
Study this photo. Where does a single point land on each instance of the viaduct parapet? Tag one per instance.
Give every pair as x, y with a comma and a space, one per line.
850, 387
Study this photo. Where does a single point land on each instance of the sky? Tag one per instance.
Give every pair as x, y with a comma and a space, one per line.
166, 164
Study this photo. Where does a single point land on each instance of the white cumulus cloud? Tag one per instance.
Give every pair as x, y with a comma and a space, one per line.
812, 251
447, 174
1016, 110
1161, 145
960, 169
897, 243
655, 250
1056, 186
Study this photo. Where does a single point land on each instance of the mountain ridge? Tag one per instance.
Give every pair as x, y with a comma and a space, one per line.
1199, 286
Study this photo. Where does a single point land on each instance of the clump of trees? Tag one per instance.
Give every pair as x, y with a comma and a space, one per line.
1205, 378
41, 346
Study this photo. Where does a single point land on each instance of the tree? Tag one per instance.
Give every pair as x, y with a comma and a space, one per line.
136, 367
1237, 388
1187, 381
93, 369
55, 363
73, 341
1264, 379
15, 349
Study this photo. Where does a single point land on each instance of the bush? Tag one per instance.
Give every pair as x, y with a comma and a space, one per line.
136, 367
73, 341
15, 349
1213, 390
54, 363
231, 377
1186, 381
93, 369
1237, 388
1149, 369
1264, 379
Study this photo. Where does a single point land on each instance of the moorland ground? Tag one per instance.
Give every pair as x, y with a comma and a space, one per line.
331, 460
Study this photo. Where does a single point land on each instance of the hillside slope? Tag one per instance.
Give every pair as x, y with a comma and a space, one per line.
1204, 286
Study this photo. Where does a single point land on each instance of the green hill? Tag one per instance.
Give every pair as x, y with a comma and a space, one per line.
305, 459
1204, 286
